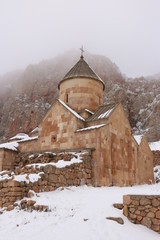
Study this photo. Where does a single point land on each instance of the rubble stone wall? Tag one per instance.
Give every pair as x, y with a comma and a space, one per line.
50, 177
143, 209
156, 160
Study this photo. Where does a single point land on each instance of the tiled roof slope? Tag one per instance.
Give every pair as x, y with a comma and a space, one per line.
82, 69
102, 112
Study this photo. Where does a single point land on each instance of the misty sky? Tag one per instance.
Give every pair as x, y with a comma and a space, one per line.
126, 31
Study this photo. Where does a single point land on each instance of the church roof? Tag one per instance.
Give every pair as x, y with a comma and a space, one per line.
71, 110
82, 69
102, 112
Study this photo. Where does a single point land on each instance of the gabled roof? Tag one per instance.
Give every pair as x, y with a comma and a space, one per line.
82, 69
71, 110
102, 112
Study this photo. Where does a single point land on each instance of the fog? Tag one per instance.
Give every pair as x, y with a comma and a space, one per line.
126, 31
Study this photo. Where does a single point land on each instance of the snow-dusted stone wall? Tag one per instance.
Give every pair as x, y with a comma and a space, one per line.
156, 155
44, 172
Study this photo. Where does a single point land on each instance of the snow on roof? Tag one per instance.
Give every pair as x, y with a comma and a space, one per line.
138, 138
102, 112
28, 139
87, 110
14, 145
154, 146
71, 110
19, 136
105, 114
35, 130
9, 145
90, 128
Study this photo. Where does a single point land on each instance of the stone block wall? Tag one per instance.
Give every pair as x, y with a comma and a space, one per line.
143, 209
82, 93
11, 191
144, 163
48, 176
7, 159
156, 160
27, 146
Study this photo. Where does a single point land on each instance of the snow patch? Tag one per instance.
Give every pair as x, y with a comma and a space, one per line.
106, 114
138, 138
157, 173
59, 164
155, 146
28, 177
90, 128
69, 207
10, 146
19, 136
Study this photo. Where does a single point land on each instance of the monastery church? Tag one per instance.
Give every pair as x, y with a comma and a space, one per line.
79, 121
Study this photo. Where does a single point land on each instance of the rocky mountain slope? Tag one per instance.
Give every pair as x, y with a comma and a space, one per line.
26, 96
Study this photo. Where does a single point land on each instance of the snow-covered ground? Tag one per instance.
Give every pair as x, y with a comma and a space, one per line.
77, 213
157, 173
155, 146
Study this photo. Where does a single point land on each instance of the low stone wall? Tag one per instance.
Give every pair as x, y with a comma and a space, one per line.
28, 145
44, 172
141, 209
11, 191
7, 159
156, 160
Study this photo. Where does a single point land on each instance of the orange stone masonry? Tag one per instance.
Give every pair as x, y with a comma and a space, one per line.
82, 93
79, 120
143, 209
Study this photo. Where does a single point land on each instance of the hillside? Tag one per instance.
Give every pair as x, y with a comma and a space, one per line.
26, 96
77, 213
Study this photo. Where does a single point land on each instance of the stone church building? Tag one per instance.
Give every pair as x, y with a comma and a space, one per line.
79, 120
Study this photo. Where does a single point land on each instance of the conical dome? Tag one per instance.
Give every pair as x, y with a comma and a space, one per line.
81, 70
81, 88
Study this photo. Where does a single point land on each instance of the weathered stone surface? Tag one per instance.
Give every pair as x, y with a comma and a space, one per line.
10, 208
156, 221
31, 202
118, 206
158, 214
139, 218
146, 222
145, 201
156, 228
155, 202
150, 215
116, 219
125, 211
126, 200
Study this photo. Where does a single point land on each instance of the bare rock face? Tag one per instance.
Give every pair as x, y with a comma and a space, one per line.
26, 96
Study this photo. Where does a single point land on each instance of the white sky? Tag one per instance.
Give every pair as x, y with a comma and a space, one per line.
126, 31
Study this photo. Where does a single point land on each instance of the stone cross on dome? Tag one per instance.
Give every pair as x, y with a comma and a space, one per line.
82, 51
